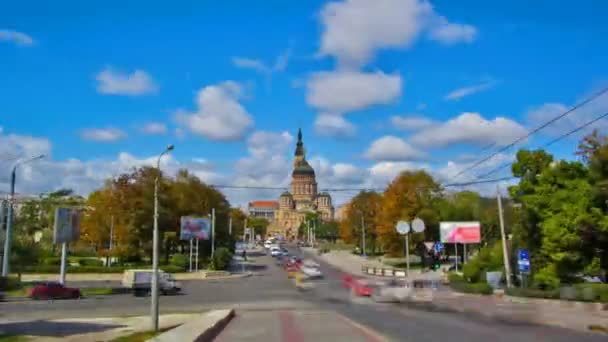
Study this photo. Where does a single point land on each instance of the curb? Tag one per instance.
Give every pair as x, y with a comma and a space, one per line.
212, 323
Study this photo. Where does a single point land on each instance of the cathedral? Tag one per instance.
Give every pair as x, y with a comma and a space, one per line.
302, 199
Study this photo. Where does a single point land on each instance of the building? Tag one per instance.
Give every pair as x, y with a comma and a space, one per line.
302, 198
264, 209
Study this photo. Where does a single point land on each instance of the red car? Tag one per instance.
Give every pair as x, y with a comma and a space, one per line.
357, 286
53, 290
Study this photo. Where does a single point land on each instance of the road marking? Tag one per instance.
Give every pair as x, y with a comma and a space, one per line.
289, 330
369, 334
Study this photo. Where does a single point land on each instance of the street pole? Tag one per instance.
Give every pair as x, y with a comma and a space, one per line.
9, 218
191, 251
505, 252
407, 255
230, 225
196, 259
212, 231
64, 256
111, 238
154, 301
363, 234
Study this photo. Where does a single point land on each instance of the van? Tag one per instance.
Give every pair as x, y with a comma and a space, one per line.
140, 282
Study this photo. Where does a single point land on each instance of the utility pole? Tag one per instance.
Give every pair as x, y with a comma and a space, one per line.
230, 225
505, 252
9, 218
363, 234
212, 231
154, 301
111, 239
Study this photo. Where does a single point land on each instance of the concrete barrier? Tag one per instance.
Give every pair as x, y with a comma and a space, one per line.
202, 329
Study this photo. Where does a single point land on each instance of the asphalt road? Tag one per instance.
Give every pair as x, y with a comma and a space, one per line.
270, 290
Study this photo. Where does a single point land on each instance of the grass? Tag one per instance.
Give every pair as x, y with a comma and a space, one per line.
93, 291
14, 338
403, 264
141, 336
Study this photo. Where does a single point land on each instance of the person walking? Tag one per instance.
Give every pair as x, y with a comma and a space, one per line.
244, 254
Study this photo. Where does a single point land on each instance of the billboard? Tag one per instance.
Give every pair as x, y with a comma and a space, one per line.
195, 228
460, 232
67, 225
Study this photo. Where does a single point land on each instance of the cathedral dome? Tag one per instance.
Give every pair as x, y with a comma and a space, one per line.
303, 168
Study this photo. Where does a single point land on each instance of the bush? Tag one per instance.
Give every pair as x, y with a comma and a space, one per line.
488, 259
532, 293
459, 284
172, 269
592, 292
51, 261
180, 260
582, 292
90, 262
9, 283
221, 259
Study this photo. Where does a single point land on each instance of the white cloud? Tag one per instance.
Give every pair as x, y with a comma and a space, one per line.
470, 128
334, 125
154, 128
249, 63
16, 37
345, 91
539, 115
391, 148
219, 115
459, 93
263, 143
114, 82
22, 146
355, 29
103, 134
280, 63
412, 122
449, 33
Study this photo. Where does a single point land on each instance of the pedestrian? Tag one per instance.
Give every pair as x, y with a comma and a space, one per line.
244, 255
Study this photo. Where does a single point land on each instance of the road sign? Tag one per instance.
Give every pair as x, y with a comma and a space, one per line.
438, 247
523, 260
403, 227
418, 225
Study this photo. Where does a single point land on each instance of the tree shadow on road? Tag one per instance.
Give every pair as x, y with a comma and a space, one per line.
54, 329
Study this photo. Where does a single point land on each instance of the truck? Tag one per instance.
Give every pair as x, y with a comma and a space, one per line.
140, 282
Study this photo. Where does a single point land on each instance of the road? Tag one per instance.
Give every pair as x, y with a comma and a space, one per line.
269, 300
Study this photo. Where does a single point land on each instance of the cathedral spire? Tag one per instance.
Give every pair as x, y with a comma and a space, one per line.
300, 145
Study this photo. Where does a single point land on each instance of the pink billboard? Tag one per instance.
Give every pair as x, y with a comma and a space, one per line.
460, 232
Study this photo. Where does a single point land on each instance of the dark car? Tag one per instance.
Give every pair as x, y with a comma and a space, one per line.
53, 290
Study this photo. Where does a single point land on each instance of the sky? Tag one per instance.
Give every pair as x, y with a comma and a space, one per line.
377, 87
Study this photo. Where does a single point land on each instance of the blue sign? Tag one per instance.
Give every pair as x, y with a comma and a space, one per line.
438, 247
523, 260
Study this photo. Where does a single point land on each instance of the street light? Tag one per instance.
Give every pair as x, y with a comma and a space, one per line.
9, 217
154, 302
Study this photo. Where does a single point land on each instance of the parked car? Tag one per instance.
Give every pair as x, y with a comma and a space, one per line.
53, 290
140, 282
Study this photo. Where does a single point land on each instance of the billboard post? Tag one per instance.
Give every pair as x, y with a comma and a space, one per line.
66, 229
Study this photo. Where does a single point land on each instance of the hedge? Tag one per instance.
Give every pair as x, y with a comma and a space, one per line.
457, 283
583, 292
93, 269
9, 283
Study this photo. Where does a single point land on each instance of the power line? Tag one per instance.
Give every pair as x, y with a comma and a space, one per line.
572, 109
563, 136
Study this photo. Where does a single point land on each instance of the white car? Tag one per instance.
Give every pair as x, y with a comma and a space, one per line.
311, 272
275, 251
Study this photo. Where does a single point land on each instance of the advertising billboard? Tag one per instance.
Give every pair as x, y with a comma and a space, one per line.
67, 225
195, 228
460, 232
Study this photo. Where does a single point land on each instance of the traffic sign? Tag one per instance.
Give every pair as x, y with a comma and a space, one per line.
438, 247
418, 225
523, 260
403, 227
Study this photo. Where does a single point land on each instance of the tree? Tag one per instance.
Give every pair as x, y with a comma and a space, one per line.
412, 194
259, 225
328, 231
362, 209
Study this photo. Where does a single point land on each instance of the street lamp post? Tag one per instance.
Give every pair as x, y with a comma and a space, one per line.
154, 302
9, 218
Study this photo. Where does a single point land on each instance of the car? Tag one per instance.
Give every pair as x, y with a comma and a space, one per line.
311, 272
275, 251
284, 252
395, 291
358, 286
53, 290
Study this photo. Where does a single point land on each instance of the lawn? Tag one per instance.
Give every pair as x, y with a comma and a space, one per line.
93, 291
141, 336
14, 338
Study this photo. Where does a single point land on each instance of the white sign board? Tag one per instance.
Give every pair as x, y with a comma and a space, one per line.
402, 227
418, 225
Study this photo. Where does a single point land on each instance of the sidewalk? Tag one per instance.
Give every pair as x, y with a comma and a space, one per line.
566, 314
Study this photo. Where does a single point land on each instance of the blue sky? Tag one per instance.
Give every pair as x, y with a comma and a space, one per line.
100, 86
